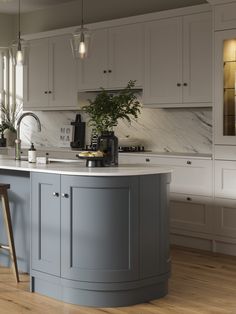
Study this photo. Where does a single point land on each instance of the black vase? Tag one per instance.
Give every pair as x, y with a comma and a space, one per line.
108, 144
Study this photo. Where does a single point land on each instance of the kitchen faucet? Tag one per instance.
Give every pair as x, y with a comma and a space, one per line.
18, 140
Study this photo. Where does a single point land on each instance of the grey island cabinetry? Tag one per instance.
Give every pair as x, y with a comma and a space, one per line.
99, 237
100, 241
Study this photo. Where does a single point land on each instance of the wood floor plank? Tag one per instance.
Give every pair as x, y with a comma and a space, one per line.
201, 283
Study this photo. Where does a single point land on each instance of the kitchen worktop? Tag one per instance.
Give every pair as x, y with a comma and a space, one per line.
59, 152
79, 168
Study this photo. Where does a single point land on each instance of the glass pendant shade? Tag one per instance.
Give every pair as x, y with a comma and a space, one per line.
18, 52
19, 47
80, 43
80, 38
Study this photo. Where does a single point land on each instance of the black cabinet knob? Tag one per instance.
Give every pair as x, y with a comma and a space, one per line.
178, 84
185, 84
50, 92
45, 92
109, 71
104, 71
65, 195
189, 162
189, 199
56, 194
147, 160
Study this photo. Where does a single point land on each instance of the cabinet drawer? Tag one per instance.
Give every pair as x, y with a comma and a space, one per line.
226, 217
191, 213
190, 176
225, 16
225, 179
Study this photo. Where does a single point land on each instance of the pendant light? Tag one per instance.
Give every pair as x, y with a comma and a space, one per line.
18, 49
80, 38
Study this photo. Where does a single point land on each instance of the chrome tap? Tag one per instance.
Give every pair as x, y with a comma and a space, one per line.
18, 140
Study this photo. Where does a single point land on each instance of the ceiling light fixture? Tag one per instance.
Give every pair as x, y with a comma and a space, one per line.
18, 49
80, 38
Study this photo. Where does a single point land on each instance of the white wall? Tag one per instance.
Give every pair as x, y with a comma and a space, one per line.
7, 29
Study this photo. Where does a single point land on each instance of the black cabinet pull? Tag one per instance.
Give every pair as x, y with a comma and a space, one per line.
189, 199
56, 194
45, 92
189, 162
178, 84
185, 84
147, 160
104, 71
65, 195
109, 71
50, 92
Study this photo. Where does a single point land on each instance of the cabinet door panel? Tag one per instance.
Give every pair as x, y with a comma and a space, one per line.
163, 61
226, 217
45, 228
91, 70
225, 179
62, 73
126, 46
190, 212
95, 208
36, 75
197, 58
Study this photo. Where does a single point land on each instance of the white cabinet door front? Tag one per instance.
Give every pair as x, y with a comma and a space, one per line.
225, 179
197, 58
62, 73
163, 61
226, 217
93, 71
190, 212
36, 75
126, 47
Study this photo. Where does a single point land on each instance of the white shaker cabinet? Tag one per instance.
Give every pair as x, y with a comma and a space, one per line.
178, 54
50, 77
115, 57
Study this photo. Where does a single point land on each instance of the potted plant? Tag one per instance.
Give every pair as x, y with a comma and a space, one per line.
9, 119
105, 111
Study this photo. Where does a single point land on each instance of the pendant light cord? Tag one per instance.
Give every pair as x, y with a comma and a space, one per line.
82, 14
19, 33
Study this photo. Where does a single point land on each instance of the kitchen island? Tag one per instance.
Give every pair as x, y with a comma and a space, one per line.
98, 236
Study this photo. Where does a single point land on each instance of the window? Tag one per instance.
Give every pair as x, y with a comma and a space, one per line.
11, 84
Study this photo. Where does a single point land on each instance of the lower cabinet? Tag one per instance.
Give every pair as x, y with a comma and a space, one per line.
191, 213
69, 227
225, 217
97, 240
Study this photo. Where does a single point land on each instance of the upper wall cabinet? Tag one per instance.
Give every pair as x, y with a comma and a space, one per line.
178, 61
50, 78
115, 57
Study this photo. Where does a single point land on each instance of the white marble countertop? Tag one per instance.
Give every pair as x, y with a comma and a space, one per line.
78, 168
57, 152
169, 154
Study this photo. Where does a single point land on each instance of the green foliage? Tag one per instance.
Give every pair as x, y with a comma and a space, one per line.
107, 108
9, 116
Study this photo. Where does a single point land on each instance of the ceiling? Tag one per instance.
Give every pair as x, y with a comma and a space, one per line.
142, 6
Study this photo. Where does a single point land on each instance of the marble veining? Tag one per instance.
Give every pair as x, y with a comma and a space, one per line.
164, 130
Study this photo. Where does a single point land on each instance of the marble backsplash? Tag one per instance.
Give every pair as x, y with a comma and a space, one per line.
163, 130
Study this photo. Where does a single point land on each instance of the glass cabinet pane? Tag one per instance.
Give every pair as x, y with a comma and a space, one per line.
229, 117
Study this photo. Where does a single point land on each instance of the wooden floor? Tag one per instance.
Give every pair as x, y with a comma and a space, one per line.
201, 283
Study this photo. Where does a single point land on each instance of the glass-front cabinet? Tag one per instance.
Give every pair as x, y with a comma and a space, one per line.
225, 87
